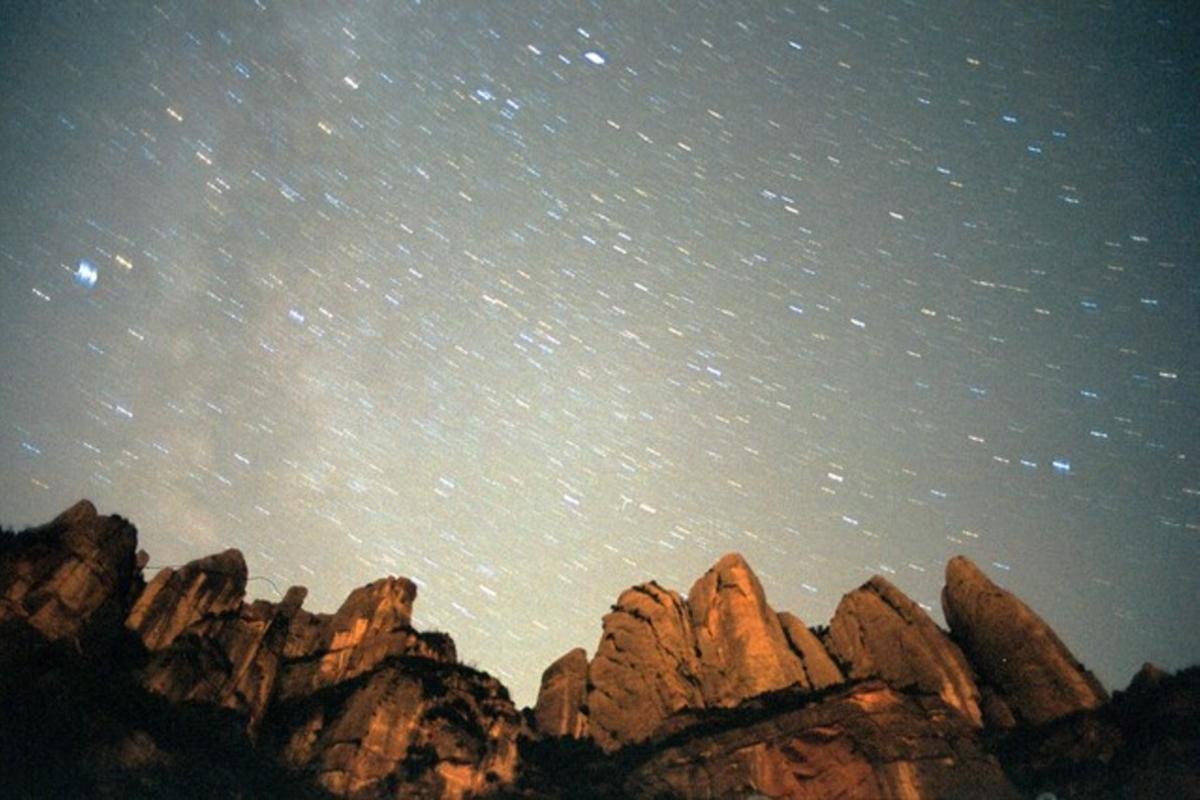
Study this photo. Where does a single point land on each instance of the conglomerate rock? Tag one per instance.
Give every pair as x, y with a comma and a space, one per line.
741, 646
353, 683
118, 688
645, 668
819, 668
412, 728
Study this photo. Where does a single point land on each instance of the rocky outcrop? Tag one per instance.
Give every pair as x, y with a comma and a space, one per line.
740, 644
1014, 650
659, 655
865, 741
645, 668
561, 700
233, 661
357, 700
372, 624
878, 632
438, 731
198, 593
817, 666
182, 687
59, 577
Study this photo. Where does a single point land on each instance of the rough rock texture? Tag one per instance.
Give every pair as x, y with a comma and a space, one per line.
113, 688
741, 645
865, 741
371, 625
562, 697
200, 591
659, 654
879, 632
232, 661
331, 694
645, 667
818, 667
1014, 650
58, 577
415, 728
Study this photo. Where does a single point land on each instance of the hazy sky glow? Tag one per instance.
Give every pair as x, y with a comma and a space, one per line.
531, 302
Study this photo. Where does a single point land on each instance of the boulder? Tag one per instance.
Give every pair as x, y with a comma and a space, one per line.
877, 631
1014, 649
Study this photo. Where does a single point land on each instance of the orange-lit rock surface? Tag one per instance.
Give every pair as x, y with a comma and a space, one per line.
114, 687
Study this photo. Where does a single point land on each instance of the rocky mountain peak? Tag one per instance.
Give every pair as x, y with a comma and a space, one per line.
144, 689
879, 632
660, 655
740, 643
63, 574
1013, 649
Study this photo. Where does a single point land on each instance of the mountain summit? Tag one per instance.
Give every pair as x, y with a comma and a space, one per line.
115, 686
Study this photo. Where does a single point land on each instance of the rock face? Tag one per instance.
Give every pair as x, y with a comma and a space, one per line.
562, 697
879, 632
660, 655
358, 700
865, 741
58, 577
116, 688
452, 734
645, 668
741, 646
819, 669
1035, 675
202, 591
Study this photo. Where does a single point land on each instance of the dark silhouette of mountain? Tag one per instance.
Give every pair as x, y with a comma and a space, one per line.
179, 687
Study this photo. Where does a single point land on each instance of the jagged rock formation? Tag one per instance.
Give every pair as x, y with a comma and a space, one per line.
358, 701
818, 667
1037, 678
878, 631
645, 668
60, 576
174, 601
453, 728
118, 688
659, 655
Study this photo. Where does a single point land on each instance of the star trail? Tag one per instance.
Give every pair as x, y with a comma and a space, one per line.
531, 302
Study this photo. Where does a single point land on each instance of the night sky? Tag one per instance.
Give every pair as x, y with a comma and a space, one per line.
531, 302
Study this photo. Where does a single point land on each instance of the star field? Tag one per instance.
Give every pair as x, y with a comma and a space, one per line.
531, 302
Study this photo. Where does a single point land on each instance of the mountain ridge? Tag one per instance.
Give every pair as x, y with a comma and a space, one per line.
185, 685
